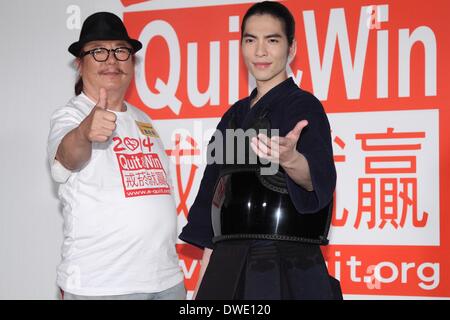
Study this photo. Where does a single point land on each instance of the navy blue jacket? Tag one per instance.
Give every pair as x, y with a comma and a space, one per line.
287, 105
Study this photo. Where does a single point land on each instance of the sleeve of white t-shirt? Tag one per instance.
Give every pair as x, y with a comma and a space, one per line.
62, 122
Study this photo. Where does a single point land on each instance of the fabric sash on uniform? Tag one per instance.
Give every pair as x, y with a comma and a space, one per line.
224, 269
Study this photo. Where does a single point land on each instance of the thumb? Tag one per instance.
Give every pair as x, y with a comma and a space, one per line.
103, 98
295, 133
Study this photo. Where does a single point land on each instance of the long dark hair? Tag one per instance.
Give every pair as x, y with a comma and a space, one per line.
79, 86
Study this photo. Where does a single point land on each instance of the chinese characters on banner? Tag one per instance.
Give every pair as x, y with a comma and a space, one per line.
379, 70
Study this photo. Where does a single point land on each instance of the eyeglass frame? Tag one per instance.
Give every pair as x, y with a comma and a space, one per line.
92, 53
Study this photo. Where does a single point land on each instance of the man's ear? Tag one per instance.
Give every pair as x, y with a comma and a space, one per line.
292, 50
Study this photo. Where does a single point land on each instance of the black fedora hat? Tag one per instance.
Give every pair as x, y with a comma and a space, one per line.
102, 26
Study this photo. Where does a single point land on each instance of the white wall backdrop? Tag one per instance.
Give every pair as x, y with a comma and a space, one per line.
36, 77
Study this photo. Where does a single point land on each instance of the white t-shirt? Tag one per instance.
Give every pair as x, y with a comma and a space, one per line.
120, 221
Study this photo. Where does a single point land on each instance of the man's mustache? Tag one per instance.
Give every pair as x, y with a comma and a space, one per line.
115, 70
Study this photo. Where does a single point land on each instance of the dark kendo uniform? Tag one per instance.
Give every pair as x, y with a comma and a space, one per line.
266, 231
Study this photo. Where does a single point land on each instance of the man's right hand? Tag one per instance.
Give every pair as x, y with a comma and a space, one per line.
100, 124
75, 148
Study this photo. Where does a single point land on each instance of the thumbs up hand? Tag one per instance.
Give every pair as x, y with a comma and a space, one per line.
100, 124
102, 100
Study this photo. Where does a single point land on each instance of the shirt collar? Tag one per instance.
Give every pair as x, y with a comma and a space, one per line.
273, 94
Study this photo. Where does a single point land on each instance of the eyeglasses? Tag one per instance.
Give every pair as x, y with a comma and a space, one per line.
102, 54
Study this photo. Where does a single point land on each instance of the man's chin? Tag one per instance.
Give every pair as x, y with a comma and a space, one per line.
114, 84
262, 78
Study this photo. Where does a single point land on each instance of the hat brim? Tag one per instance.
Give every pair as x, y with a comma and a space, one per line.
75, 48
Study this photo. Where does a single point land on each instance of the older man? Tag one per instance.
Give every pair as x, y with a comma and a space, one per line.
120, 223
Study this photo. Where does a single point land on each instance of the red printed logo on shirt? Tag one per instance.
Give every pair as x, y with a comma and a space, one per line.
131, 143
142, 173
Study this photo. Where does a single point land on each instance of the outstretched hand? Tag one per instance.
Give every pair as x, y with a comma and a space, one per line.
277, 149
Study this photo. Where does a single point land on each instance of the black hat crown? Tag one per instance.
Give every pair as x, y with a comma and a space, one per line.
102, 26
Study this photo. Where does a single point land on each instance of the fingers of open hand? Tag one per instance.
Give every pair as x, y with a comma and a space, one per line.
265, 148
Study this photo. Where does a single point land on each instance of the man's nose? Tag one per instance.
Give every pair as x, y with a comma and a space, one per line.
261, 49
111, 58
